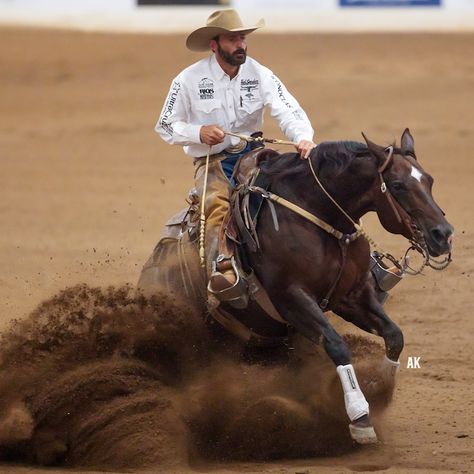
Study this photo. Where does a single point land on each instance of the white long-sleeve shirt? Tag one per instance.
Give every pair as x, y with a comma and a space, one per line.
203, 94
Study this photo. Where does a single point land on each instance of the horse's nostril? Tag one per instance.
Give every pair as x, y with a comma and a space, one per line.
441, 234
437, 234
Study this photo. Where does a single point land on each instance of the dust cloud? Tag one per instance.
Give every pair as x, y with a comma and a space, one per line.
104, 378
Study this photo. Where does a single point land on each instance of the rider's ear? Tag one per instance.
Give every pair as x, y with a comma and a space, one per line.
408, 144
376, 150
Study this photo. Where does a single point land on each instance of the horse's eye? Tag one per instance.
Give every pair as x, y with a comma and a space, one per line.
397, 186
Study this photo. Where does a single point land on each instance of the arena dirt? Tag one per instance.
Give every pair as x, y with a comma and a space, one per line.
85, 188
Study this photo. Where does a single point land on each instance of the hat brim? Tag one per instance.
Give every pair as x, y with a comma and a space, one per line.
199, 39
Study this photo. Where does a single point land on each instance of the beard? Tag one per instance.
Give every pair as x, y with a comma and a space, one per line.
236, 58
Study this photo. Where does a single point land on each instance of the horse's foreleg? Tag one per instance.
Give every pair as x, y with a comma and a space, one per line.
304, 314
368, 314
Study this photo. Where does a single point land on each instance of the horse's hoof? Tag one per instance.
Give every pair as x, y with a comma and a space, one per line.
362, 431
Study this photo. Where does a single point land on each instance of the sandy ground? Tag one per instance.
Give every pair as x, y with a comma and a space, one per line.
86, 186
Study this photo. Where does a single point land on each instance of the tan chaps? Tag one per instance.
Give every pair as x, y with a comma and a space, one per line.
216, 205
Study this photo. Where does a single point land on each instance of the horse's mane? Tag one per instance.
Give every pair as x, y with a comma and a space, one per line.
333, 156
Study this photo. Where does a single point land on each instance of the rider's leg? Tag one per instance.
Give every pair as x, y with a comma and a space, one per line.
216, 209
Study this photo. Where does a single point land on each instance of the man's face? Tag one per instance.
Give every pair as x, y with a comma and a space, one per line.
232, 48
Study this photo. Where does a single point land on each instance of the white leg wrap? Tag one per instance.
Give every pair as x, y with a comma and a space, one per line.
356, 404
390, 369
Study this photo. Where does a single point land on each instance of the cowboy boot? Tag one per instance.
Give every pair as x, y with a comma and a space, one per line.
223, 275
225, 282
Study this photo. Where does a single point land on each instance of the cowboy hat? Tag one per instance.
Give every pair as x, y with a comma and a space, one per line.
218, 23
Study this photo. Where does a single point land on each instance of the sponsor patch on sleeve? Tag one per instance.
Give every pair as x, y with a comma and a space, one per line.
168, 109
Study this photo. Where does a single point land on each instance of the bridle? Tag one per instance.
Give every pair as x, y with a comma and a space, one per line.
417, 242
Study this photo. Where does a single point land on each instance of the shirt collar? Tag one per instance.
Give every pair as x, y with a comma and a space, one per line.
218, 72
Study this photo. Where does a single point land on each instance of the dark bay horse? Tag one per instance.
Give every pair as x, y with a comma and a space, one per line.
301, 264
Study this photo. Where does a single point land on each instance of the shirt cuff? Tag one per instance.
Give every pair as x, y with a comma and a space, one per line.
193, 133
298, 138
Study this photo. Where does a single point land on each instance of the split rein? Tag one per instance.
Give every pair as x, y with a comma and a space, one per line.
418, 242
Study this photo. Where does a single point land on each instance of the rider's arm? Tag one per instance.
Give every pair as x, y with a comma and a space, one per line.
173, 124
293, 121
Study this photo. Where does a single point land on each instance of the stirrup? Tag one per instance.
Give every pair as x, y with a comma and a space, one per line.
237, 294
386, 278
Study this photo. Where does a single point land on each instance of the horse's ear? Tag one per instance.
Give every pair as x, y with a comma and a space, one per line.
408, 144
376, 150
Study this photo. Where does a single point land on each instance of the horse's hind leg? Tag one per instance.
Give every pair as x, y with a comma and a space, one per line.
368, 314
304, 314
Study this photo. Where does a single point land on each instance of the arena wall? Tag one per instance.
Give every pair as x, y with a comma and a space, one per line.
304, 15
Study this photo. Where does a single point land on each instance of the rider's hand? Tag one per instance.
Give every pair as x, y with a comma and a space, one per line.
211, 134
304, 148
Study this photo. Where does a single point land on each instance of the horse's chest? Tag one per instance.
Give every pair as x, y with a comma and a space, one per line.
346, 269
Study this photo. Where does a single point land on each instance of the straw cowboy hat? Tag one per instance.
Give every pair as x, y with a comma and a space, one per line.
218, 23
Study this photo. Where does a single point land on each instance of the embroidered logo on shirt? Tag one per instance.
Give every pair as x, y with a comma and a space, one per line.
206, 88
247, 86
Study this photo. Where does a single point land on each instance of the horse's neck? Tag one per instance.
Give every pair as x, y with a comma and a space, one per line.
355, 203
355, 191
360, 204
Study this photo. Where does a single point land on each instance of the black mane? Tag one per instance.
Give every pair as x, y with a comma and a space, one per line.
334, 157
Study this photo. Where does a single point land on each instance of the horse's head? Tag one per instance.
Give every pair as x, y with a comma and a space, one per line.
410, 185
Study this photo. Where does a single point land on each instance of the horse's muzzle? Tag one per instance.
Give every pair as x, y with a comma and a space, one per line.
440, 239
